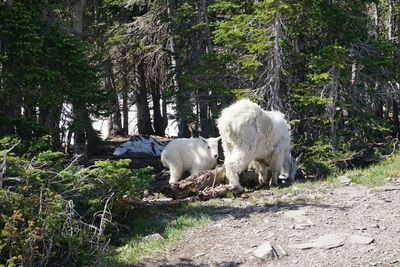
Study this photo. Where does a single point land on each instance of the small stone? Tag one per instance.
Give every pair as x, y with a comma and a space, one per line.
282, 252
358, 239
156, 236
301, 226
375, 226
265, 251
361, 228
227, 264
218, 225
200, 254
344, 180
248, 251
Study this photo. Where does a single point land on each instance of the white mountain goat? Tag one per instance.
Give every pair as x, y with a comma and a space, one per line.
190, 154
253, 135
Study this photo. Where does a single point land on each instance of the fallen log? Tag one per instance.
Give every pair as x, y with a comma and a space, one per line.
193, 185
208, 184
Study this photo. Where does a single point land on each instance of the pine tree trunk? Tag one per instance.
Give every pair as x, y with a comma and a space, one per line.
159, 122
182, 104
125, 106
77, 16
331, 106
114, 122
143, 111
203, 112
396, 122
50, 117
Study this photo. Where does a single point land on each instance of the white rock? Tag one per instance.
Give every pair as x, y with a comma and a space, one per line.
299, 216
265, 251
359, 239
301, 226
154, 236
282, 252
327, 241
344, 180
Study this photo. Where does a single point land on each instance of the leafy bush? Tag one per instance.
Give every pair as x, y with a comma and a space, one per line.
55, 212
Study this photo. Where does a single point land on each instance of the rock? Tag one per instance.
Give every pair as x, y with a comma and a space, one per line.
265, 251
200, 254
227, 264
390, 188
154, 236
362, 228
299, 216
344, 180
359, 239
248, 251
282, 252
227, 200
327, 241
301, 226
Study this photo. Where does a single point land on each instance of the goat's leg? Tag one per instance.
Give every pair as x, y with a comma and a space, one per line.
262, 171
175, 174
233, 166
276, 166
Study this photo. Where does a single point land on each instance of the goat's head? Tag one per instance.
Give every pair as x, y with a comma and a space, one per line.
291, 166
294, 166
212, 145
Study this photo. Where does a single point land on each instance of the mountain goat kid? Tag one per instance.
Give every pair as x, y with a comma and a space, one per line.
190, 154
251, 135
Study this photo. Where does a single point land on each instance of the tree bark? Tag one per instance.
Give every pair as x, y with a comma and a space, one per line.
125, 105
207, 32
50, 117
77, 16
331, 106
182, 104
143, 111
114, 122
396, 122
159, 121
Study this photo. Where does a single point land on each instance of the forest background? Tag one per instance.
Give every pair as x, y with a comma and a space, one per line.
331, 66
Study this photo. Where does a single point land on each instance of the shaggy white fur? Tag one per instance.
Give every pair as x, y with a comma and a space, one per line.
190, 154
253, 135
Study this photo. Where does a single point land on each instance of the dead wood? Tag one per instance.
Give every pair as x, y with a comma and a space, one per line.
208, 184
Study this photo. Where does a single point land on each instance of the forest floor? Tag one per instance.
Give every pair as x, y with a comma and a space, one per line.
316, 224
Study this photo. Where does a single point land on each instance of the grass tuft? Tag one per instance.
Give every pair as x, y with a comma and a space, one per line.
378, 174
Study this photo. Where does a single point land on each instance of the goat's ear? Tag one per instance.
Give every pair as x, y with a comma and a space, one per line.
219, 138
300, 157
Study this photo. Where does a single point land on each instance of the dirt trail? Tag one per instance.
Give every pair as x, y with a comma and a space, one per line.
316, 226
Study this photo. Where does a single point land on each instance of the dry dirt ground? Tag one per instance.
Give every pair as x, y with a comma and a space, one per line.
319, 225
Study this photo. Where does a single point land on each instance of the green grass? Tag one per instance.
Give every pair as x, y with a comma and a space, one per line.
171, 224
378, 174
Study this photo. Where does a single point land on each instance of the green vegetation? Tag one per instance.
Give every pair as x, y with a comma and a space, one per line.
55, 212
378, 174
170, 223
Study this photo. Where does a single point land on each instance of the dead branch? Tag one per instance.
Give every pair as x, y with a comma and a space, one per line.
4, 164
